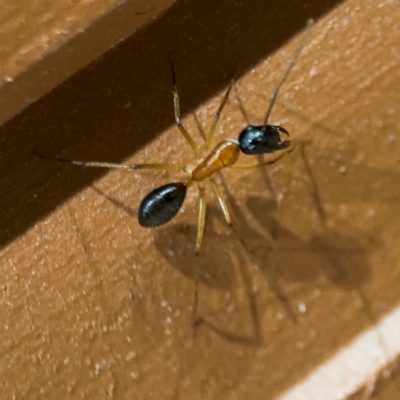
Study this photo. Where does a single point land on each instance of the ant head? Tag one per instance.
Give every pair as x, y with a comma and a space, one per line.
263, 139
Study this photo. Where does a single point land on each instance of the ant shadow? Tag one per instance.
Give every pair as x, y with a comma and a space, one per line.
345, 258
215, 268
340, 257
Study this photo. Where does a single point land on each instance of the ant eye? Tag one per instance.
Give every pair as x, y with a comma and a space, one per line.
262, 139
161, 204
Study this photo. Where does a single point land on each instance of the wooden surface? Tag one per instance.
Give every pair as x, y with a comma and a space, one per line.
94, 306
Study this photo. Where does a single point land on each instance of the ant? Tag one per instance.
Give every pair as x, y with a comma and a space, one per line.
163, 203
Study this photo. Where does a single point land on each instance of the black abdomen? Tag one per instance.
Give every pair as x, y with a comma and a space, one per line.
161, 204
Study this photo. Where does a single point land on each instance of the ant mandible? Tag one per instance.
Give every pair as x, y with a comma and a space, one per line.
164, 202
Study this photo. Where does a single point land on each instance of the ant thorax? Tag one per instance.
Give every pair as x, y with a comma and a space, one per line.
224, 155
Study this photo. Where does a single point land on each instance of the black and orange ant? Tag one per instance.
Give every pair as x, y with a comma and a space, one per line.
163, 203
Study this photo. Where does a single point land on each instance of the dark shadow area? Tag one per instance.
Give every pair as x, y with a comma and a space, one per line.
119, 103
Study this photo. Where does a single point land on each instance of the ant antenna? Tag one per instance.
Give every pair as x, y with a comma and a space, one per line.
310, 23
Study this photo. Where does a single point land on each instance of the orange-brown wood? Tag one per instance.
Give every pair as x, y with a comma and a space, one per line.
94, 306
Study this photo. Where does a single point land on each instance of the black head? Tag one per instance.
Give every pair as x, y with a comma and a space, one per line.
263, 139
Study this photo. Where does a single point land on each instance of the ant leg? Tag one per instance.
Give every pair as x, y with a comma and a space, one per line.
202, 217
268, 162
222, 202
310, 23
241, 106
200, 233
160, 166
224, 207
216, 118
177, 113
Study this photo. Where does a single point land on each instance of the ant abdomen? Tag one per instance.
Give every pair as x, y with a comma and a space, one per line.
161, 204
262, 139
